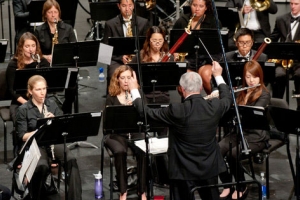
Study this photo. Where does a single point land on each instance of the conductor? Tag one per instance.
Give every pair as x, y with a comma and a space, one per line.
193, 150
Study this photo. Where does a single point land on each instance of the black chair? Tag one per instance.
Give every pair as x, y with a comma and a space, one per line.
277, 139
4, 110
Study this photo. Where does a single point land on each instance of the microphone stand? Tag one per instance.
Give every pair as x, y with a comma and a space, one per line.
9, 23
244, 144
146, 126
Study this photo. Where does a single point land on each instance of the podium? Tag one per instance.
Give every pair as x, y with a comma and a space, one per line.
287, 121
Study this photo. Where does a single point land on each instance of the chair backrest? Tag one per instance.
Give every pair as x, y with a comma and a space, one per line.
274, 133
3, 88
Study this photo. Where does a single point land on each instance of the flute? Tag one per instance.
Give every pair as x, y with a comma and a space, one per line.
216, 95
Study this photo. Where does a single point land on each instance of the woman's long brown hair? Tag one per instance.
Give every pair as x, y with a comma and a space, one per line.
254, 68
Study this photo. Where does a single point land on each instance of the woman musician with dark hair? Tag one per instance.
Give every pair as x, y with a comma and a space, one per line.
257, 139
200, 17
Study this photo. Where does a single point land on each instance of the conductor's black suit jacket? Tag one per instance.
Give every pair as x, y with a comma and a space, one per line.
193, 151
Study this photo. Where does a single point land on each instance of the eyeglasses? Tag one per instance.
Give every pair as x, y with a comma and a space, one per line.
156, 40
247, 43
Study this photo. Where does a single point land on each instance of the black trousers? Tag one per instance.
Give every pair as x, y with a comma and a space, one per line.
180, 189
225, 177
119, 144
36, 189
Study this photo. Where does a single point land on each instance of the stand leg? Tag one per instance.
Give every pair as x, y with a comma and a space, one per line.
64, 134
287, 91
153, 90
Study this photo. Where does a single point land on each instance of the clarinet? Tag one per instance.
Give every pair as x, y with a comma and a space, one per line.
45, 112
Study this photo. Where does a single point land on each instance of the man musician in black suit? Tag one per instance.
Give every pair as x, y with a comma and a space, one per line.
287, 29
118, 27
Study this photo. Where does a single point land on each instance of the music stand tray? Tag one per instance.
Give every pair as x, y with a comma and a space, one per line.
281, 50
129, 42
34, 9
79, 126
120, 119
159, 72
57, 78
236, 70
252, 117
103, 11
76, 53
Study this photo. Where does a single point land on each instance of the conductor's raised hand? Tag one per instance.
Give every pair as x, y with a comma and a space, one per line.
133, 83
216, 69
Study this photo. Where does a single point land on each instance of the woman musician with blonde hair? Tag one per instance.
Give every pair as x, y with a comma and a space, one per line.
38, 106
257, 139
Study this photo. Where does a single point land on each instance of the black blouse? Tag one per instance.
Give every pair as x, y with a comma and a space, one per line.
10, 76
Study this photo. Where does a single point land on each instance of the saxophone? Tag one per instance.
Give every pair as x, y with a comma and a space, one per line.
129, 34
54, 39
45, 112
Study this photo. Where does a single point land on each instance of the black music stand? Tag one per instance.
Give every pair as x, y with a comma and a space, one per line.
68, 128
285, 51
34, 9
154, 75
120, 42
77, 54
236, 72
64, 78
287, 121
102, 11
228, 16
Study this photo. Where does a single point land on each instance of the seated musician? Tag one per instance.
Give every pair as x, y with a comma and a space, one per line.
258, 96
155, 46
26, 119
244, 39
54, 31
118, 143
204, 18
28, 45
154, 49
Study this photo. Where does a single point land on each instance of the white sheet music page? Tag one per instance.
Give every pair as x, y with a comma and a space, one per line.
105, 53
30, 160
156, 145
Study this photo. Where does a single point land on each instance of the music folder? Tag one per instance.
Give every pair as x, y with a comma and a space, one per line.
78, 126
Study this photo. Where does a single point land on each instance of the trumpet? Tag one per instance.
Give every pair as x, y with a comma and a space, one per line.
216, 95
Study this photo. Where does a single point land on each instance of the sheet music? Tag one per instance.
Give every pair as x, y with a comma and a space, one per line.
156, 145
28, 139
105, 53
30, 160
